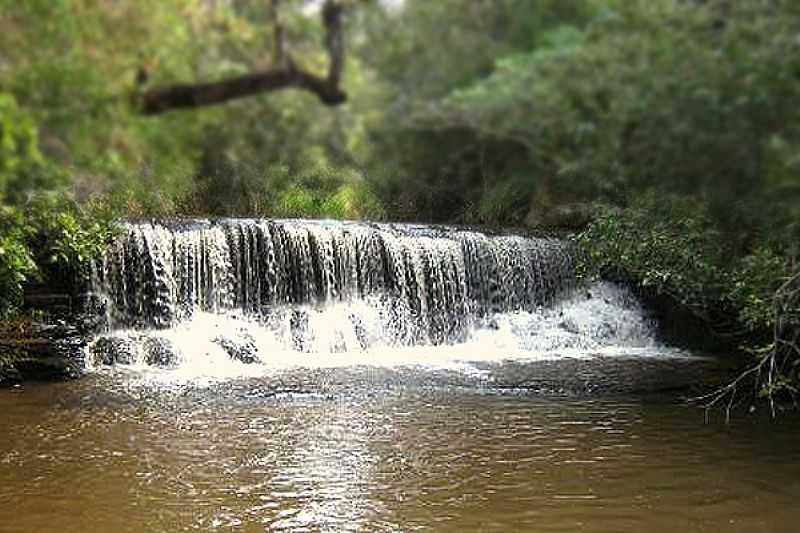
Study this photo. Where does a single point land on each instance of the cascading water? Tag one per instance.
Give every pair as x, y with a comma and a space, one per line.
214, 296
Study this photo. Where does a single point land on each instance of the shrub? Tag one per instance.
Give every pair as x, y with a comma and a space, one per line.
17, 265
48, 239
666, 245
68, 236
663, 244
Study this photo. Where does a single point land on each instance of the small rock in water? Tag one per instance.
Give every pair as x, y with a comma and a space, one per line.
114, 350
242, 349
160, 352
569, 326
10, 376
361, 332
300, 330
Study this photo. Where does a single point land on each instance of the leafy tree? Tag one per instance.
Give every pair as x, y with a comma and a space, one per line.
653, 95
424, 164
23, 169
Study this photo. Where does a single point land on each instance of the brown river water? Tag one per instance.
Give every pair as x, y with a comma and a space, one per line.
392, 449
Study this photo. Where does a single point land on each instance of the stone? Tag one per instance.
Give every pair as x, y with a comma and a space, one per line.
114, 350
160, 352
242, 349
9, 376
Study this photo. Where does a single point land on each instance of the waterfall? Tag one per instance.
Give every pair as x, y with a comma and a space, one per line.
247, 290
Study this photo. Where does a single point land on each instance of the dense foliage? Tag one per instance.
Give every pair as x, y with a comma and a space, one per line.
49, 240
17, 265
667, 246
680, 116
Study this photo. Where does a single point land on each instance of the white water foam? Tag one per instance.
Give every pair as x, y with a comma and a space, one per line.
600, 320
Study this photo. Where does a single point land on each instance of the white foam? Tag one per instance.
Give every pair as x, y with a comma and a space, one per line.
601, 320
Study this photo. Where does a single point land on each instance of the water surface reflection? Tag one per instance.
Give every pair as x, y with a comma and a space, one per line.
379, 453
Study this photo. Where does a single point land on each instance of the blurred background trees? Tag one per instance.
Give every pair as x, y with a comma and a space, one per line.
459, 110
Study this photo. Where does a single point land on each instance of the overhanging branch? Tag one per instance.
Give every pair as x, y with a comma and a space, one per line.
283, 74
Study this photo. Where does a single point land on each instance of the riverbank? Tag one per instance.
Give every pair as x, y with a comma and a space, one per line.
32, 350
161, 269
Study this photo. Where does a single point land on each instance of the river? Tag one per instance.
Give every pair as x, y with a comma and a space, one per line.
388, 449
322, 376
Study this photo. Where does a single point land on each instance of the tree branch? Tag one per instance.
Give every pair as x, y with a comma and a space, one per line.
278, 54
334, 42
283, 74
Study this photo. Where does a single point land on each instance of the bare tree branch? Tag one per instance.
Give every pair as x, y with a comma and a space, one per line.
768, 374
283, 74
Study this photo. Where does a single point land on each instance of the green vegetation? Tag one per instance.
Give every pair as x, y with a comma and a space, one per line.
668, 246
49, 240
679, 117
17, 265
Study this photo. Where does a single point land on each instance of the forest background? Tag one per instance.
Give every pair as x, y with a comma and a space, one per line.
666, 133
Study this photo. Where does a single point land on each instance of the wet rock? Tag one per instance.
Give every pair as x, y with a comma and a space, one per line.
242, 348
160, 352
361, 332
53, 368
72, 350
37, 364
40, 351
677, 326
569, 326
56, 330
301, 332
9, 376
114, 350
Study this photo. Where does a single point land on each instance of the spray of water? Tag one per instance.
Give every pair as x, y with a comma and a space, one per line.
244, 297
